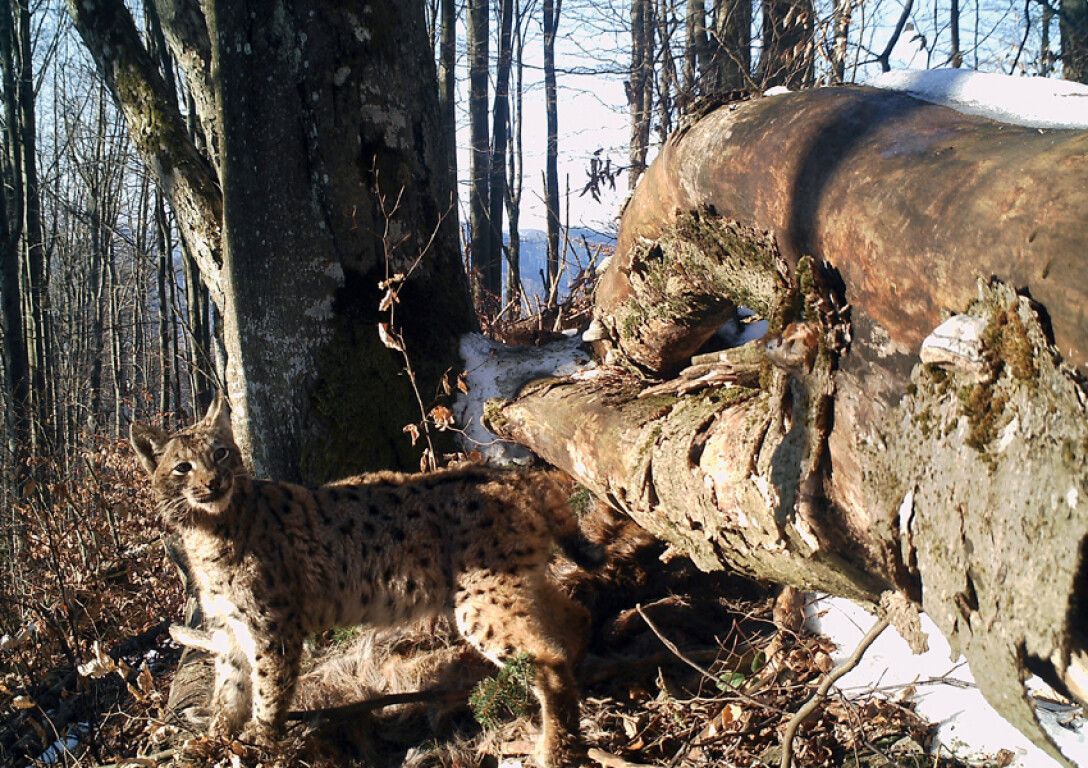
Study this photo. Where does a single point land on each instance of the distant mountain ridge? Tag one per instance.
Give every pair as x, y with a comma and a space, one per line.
534, 257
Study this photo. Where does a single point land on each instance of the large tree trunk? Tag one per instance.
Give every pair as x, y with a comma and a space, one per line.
1074, 35
827, 456
338, 166
314, 121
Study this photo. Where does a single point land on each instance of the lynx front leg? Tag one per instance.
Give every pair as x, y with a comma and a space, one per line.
230, 703
273, 676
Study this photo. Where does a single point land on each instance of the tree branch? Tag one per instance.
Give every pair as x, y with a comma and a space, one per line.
821, 693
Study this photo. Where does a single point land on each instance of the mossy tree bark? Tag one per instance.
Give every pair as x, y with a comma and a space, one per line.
828, 455
308, 121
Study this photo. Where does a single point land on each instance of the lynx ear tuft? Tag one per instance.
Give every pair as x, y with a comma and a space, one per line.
148, 442
218, 415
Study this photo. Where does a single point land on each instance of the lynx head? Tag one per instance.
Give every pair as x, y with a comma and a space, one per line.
194, 469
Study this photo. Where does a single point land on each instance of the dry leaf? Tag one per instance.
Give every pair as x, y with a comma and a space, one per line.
413, 431
426, 461
100, 664
389, 338
388, 300
23, 702
731, 713
442, 417
396, 279
462, 382
144, 679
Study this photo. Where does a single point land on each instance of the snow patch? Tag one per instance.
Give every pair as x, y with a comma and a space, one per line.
497, 370
739, 330
944, 691
1037, 102
63, 746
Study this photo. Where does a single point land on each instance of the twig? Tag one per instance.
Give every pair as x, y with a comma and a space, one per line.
821, 692
608, 760
788, 618
437, 695
156, 757
701, 670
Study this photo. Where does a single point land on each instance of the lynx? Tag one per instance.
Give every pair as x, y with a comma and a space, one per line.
274, 562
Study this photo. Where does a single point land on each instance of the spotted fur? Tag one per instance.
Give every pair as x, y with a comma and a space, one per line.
274, 562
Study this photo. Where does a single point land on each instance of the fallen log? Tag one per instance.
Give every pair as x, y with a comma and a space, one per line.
848, 464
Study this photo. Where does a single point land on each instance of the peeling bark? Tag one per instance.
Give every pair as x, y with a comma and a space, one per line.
833, 454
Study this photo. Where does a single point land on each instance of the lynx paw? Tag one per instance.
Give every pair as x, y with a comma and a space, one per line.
259, 734
560, 751
220, 726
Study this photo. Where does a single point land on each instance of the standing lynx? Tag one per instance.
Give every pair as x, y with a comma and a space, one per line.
274, 562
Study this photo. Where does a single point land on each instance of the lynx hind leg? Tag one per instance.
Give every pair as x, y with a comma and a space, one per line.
501, 616
566, 619
232, 694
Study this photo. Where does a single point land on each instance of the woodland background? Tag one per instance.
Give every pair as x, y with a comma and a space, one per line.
111, 313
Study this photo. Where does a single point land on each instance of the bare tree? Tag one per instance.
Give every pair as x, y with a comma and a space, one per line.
16, 356
640, 85
697, 47
552, 10
956, 57
788, 45
515, 158
479, 145
500, 133
447, 84
732, 45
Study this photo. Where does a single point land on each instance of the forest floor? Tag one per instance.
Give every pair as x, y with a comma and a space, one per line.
684, 668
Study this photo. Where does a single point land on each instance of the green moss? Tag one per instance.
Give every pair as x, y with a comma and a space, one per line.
1008, 346
984, 406
582, 501
341, 636
697, 271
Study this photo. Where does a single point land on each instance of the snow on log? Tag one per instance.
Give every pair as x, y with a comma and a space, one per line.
831, 455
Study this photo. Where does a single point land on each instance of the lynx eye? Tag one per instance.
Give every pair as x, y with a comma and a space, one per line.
182, 468
219, 454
